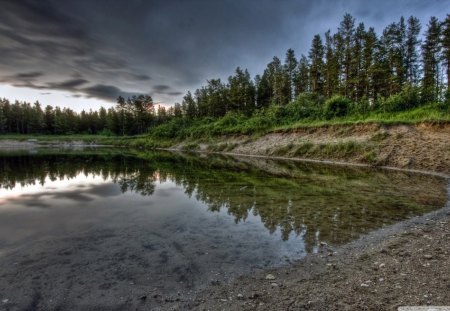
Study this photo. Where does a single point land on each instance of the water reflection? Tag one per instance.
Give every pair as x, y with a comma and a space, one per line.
314, 202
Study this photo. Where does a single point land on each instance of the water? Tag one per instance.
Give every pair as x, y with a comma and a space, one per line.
106, 226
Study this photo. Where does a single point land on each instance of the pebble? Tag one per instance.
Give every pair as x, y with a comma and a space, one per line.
274, 284
240, 296
364, 285
382, 265
380, 280
224, 300
270, 277
5, 300
428, 256
323, 244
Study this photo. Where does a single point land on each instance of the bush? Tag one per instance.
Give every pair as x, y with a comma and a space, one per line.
336, 106
305, 106
408, 98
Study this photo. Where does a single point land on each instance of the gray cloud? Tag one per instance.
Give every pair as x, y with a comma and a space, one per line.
106, 92
28, 75
105, 48
69, 85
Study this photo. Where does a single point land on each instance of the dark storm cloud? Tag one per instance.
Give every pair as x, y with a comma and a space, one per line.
106, 92
28, 75
106, 48
70, 85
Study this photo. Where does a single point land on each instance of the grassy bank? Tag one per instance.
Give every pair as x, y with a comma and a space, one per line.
282, 119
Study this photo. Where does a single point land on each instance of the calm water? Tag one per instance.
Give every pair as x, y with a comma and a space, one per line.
108, 226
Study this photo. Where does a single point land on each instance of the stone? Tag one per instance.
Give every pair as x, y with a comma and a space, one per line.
270, 277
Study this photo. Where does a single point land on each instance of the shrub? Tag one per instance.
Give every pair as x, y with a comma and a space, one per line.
305, 106
408, 98
336, 106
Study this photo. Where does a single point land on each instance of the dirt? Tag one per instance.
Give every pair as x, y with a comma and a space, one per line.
402, 265
405, 264
418, 147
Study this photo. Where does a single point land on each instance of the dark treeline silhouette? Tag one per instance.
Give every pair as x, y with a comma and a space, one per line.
132, 116
318, 202
354, 70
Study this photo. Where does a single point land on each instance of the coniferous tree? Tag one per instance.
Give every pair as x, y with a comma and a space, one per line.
411, 50
446, 48
316, 55
346, 38
290, 65
263, 91
431, 54
303, 79
331, 67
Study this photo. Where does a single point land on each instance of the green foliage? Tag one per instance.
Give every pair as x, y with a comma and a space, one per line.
336, 106
408, 98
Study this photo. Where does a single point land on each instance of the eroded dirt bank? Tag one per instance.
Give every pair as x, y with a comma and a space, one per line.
422, 147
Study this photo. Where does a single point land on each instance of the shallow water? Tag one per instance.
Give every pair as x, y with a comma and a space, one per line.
105, 226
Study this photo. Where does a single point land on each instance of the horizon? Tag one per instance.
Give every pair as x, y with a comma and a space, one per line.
69, 55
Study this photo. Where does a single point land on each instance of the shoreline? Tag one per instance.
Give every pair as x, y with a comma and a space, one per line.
311, 275
407, 263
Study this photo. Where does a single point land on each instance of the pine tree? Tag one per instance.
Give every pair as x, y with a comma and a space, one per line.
303, 80
411, 50
263, 91
316, 55
277, 78
357, 78
431, 49
331, 67
241, 92
446, 48
346, 38
290, 66
368, 70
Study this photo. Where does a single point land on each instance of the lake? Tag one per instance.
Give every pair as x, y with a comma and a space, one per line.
101, 228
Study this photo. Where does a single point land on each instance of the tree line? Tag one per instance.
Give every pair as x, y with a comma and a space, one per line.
355, 63
400, 68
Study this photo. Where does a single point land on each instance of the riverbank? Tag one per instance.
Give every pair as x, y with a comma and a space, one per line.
424, 146
404, 264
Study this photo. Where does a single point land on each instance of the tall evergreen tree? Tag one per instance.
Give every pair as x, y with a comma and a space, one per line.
290, 65
331, 67
411, 50
346, 38
431, 54
316, 55
303, 79
446, 48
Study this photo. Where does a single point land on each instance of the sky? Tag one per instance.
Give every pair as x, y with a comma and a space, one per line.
83, 54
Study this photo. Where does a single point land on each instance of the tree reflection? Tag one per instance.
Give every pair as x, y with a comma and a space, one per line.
320, 203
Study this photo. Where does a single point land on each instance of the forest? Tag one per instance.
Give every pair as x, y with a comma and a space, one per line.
352, 72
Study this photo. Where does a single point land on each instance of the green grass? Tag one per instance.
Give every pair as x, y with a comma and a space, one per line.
272, 119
